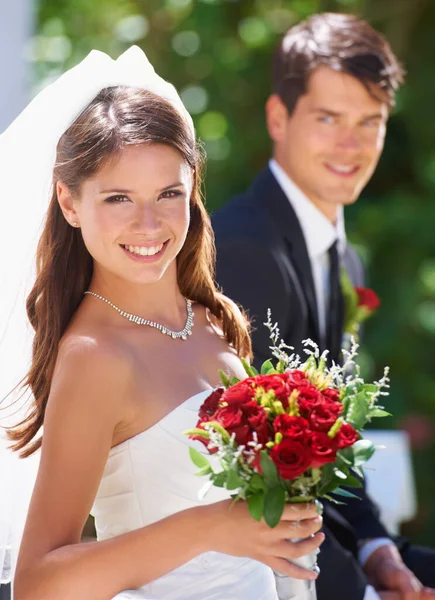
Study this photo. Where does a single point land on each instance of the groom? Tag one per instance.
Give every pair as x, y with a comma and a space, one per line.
281, 243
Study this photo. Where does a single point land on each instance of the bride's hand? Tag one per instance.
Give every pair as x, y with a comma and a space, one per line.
234, 531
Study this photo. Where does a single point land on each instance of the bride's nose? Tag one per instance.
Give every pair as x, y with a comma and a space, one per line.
147, 220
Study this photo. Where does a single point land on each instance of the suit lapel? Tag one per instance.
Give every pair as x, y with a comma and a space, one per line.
267, 190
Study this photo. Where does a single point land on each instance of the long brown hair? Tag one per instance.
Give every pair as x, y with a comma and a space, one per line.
117, 117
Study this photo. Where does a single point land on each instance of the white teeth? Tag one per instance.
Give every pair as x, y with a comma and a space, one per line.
143, 251
342, 169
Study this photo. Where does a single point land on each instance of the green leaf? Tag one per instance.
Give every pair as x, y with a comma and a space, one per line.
352, 481
268, 467
199, 432
358, 471
332, 478
378, 412
369, 388
342, 460
328, 471
347, 455
330, 486
357, 413
363, 450
204, 471
350, 298
334, 500
280, 367
274, 501
249, 369
235, 380
219, 479
256, 505
345, 493
341, 474
198, 459
224, 378
233, 480
300, 499
256, 482
346, 404
266, 367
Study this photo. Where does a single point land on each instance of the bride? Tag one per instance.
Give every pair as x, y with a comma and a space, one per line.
129, 334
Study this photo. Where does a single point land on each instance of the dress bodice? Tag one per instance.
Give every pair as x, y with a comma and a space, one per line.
149, 477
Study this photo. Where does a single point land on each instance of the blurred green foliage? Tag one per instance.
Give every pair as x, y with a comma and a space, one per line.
217, 53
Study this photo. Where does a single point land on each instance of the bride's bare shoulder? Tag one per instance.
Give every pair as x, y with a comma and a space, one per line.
91, 344
92, 360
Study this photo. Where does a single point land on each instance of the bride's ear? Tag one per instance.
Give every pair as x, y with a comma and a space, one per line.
65, 200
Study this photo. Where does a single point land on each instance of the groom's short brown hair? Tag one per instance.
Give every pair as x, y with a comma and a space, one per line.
342, 42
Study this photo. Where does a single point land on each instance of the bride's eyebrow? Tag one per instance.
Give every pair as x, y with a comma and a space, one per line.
117, 191
173, 185
124, 191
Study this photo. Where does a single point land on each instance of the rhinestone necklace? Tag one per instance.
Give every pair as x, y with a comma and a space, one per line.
140, 321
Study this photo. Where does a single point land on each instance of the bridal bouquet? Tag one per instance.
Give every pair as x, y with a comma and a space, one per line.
291, 433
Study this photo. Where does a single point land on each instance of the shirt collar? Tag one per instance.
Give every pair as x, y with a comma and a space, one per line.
319, 232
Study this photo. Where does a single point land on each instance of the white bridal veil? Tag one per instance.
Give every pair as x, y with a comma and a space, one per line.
27, 157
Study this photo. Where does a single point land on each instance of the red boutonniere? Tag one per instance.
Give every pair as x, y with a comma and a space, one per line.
360, 303
368, 300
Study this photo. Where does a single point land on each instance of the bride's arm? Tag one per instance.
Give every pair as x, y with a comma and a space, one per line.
83, 410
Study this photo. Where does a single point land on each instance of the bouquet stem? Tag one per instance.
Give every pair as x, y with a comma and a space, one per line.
289, 588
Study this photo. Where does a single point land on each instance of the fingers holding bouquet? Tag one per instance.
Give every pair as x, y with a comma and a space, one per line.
234, 531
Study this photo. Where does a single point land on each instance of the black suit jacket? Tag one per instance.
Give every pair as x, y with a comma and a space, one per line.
262, 262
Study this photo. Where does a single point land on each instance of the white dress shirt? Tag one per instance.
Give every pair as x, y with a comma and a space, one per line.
320, 234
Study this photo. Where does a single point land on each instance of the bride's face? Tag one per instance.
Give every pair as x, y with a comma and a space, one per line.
134, 213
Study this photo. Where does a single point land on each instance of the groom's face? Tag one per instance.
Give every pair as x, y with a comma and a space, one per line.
331, 143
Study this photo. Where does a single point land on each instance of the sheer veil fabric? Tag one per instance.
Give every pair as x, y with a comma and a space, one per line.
27, 158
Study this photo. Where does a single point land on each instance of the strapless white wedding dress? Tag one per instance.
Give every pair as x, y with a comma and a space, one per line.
149, 477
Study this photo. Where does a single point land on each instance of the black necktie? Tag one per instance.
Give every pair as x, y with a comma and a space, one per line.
335, 314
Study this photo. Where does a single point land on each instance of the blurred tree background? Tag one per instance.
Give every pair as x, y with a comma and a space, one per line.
218, 53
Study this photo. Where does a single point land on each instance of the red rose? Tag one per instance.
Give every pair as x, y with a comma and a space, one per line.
234, 421
210, 404
346, 436
367, 298
291, 458
322, 449
323, 417
291, 427
295, 378
240, 393
257, 419
276, 382
331, 394
309, 396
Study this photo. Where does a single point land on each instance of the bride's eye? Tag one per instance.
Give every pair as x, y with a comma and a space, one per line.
116, 199
170, 194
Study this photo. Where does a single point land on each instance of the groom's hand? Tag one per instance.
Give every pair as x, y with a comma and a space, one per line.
386, 570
